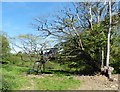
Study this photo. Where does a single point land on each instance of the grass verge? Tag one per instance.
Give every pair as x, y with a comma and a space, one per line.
12, 79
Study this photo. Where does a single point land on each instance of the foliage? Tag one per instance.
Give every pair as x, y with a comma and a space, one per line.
82, 41
5, 48
89, 60
115, 46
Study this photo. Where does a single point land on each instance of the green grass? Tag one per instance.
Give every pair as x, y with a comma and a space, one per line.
57, 83
53, 65
13, 79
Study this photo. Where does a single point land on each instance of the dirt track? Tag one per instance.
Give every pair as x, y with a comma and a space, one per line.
97, 82
87, 82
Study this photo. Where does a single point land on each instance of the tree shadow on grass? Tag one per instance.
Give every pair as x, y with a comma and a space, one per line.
68, 73
62, 72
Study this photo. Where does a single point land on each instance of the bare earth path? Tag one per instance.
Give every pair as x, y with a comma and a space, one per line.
97, 83
87, 82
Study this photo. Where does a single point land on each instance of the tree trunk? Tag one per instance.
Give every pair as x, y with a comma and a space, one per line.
44, 67
108, 40
109, 69
102, 58
91, 17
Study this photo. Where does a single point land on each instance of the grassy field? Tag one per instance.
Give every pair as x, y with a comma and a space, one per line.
15, 78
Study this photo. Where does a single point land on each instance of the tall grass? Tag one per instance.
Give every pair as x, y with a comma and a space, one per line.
11, 79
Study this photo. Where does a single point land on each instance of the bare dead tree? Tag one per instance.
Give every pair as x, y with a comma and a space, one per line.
31, 47
65, 25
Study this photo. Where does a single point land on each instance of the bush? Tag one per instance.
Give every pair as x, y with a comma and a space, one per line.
5, 85
8, 82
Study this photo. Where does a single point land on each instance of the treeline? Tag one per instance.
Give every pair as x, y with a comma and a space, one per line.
82, 34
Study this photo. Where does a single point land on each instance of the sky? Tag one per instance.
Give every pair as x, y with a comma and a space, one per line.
18, 16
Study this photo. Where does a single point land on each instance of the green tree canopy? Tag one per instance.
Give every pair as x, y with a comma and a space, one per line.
5, 47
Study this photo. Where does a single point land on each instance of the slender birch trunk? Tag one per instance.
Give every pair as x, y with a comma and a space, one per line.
108, 40
90, 8
102, 58
109, 69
